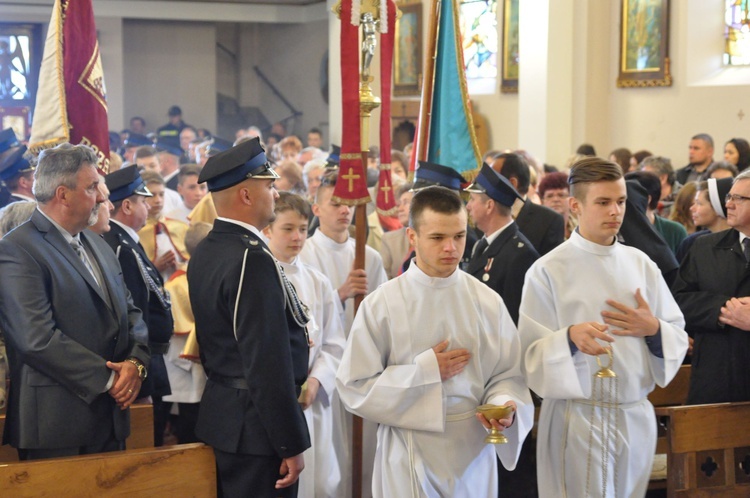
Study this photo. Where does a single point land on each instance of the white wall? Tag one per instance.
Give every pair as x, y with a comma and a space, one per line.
290, 56
170, 63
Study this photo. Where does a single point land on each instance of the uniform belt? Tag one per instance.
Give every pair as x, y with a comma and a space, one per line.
158, 347
232, 382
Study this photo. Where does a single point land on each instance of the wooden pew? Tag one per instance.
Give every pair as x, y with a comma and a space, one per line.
675, 394
182, 470
708, 450
141, 432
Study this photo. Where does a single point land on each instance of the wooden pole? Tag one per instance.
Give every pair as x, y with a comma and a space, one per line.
428, 84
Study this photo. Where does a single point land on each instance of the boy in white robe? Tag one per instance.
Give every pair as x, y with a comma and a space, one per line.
589, 287
286, 236
331, 251
426, 349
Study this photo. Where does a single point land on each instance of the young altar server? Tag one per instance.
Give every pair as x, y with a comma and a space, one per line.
286, 237
589, 297
426, 349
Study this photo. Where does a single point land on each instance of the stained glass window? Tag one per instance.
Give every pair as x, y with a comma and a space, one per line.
14, 67
737, 32
479, 33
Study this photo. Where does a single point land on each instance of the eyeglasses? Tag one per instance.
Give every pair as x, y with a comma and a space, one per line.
736, 198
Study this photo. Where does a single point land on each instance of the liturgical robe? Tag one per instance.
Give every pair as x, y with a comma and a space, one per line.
429, 442
569, 286
322, 475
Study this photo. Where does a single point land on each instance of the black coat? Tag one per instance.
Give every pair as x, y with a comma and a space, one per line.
714, 271
511, 255
246, 331
158, 318
543, 227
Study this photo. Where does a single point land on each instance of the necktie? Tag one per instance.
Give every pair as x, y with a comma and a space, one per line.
78, 248
746, 249
480, 247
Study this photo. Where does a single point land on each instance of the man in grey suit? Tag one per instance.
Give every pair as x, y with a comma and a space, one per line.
69, 323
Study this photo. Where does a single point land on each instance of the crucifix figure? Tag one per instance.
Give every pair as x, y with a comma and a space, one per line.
369, 42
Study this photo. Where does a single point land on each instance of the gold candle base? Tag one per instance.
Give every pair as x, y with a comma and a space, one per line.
495, 412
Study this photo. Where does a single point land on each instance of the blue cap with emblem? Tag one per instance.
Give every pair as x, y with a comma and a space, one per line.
8, 139
13, 161
334, 156
431, 174
137, 140
126, 182
497, 187
170, 145
243, 161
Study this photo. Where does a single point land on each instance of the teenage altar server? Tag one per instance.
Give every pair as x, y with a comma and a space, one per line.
286, 237
589, 292
426, 349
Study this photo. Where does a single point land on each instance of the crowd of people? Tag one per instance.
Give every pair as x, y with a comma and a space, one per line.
215, 280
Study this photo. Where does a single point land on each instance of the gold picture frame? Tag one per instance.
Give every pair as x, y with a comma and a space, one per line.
407, 70
509, 72
644, 44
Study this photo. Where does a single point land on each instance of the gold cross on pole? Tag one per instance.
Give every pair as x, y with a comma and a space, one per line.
350, 176
386, 189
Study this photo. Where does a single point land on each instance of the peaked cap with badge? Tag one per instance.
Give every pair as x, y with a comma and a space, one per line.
244, 161
12, 160
495, 186
432, 174
126, 182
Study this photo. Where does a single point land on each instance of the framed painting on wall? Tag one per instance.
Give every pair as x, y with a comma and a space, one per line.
644, 44
407, 73
509, 81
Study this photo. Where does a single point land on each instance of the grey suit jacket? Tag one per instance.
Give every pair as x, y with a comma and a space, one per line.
394, 248
61, 329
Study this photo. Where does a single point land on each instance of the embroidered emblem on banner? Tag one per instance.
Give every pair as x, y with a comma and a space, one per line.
92, 78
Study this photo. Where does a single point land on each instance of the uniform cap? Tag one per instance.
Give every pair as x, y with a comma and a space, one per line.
432, 174
497, 187
13, 162
241, 162
126, 182
137, 140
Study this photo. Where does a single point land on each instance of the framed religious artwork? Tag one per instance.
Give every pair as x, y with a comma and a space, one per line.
407, 71
644, 44
509, 76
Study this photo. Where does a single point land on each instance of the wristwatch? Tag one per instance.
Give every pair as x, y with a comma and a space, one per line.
142, 373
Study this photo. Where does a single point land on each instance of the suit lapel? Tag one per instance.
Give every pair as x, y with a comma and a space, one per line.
109, 278
53, 236
480, 261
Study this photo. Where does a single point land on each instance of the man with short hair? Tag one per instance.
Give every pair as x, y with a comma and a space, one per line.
69, 323
137, 125
250, 326
169, 153
594, 437
544, 228
713, 290
175, 125
128, 194
190, 191
662, 167
426, 349
700, 155
315, 138
148, 158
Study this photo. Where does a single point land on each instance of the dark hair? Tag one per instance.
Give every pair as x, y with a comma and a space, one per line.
553, 181
641, 155
439, 199
186, 170
622, 157
705, 137
743, 148
650, 182
288, 201
586, 150
515, 166
143, 121
315, 130
407, 127
722, 165
591, 170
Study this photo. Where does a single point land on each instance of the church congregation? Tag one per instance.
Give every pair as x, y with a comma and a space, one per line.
333, 318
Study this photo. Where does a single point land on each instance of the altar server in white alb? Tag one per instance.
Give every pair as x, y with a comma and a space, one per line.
426, 349
286, 237
587, 296
331, 251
